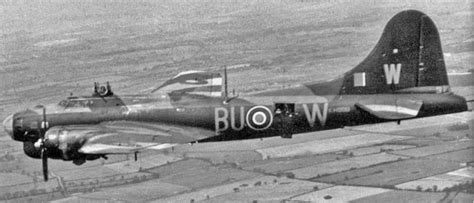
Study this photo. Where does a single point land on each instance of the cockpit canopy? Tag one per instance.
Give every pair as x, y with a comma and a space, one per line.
76, 102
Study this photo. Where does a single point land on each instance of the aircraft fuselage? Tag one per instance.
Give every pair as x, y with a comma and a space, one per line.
238, 118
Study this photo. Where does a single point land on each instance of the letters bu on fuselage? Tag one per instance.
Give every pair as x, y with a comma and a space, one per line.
260, 118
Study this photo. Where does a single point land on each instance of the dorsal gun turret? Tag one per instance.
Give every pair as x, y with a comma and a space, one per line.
102, 91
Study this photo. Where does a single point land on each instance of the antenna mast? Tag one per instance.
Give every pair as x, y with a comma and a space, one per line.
225, 82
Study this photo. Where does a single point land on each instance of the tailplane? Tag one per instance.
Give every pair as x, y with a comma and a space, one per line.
193, 82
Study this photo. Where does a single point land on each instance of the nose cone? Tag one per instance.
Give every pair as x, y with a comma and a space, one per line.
8, 125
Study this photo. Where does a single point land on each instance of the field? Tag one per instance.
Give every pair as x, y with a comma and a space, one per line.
343, 165
441, 181
340, 194
378, 148
269, 188
288, 163
147, 190
408, 196
226, 156
390, 174
435, 149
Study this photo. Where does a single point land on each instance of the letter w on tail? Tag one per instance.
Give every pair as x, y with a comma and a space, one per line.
392, 73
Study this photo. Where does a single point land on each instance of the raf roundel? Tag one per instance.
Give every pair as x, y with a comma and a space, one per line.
259, 118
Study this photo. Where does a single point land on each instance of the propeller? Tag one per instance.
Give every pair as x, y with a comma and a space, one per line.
41, 144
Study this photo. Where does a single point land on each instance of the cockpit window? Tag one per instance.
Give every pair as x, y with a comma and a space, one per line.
63, 103
75, 103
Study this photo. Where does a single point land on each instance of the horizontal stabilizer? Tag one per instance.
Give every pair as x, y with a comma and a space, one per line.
396, 110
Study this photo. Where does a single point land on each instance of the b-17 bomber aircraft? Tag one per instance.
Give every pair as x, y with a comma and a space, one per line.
403, 77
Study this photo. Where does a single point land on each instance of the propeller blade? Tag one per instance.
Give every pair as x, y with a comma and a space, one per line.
44, 115
44, 123
44, 158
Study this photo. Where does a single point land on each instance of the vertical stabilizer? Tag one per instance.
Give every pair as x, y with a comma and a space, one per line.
407, 55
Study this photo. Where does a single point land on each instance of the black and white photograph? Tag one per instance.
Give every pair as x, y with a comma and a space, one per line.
237, 101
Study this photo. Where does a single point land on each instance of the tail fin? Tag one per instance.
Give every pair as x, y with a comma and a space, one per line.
407, 56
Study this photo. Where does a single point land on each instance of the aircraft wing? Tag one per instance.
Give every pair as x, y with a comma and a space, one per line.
128, 137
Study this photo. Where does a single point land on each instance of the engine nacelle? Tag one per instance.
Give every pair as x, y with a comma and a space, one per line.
67, 143
61, 144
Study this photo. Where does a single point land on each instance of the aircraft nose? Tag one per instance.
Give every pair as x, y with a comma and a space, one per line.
8, 125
